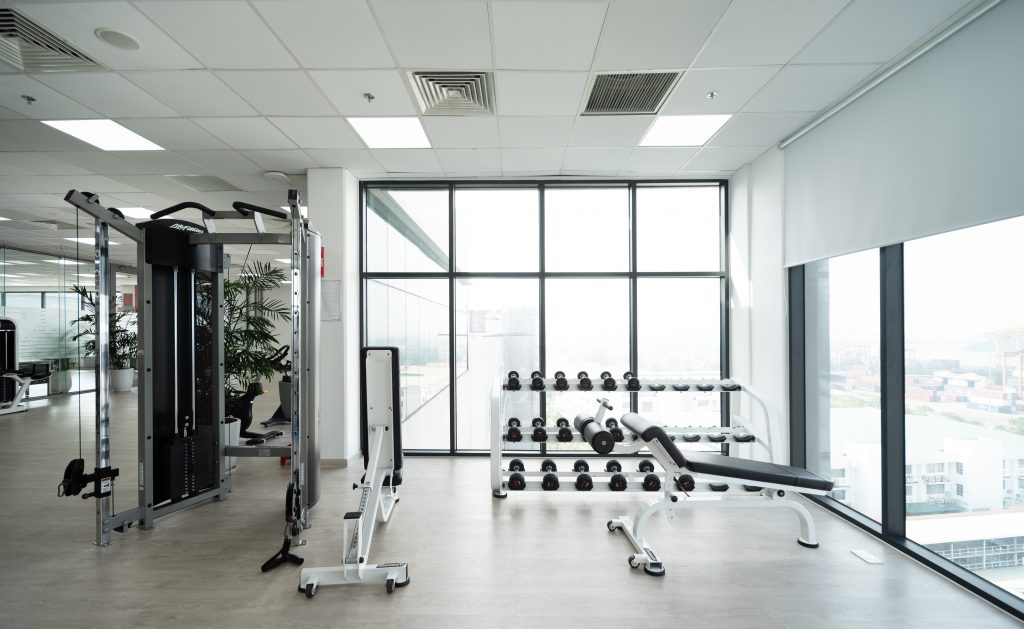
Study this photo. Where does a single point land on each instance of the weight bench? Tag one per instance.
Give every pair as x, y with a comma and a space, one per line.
760, 484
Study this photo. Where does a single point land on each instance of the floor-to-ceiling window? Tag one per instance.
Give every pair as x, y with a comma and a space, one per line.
472, 280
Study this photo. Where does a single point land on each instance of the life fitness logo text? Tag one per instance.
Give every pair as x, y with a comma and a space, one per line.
185, 228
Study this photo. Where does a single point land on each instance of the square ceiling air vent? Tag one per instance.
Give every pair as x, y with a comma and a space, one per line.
629, 93
454, 93
28, 47
203, 183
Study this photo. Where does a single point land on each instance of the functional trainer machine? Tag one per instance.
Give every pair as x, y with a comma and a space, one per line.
381, 429
182, 433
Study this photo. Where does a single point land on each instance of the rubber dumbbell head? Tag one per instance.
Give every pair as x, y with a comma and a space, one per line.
585, 384
517, 482
613, 466
561, 384
705, 387
581, 375
549, 482
580, 466
562, 422
513, 382
691, 437
632, 382
516, 465
606, 374
513, 422
540, 434
547, 465
514, 435
617, 434
718, 487
559, 374
618, 482
611, 422
651, 482
716, 437
564, 434
645, 466
536, 382
538, 421
536, 374
584, 482
513, 374
685, 482
609, 384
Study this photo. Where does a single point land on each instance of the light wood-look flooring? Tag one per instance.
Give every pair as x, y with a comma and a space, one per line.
533, 560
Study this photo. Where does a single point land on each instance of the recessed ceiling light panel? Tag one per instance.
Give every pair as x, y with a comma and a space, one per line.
684, 130
88, 241
391, 133
104, 134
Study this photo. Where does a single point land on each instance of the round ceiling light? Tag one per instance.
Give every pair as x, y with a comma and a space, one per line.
117, 39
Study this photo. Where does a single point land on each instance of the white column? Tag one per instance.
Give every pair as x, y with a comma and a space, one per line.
333, 201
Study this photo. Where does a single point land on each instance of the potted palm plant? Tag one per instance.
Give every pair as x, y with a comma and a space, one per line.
60, 369
124, 340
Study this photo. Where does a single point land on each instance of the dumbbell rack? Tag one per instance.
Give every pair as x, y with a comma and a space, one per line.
705, 435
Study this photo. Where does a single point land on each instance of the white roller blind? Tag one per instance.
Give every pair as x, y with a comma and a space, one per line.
937, 147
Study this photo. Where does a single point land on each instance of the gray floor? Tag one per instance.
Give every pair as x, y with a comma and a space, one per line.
533, 560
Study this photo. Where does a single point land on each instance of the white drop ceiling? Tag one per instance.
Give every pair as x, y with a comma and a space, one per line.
234, 88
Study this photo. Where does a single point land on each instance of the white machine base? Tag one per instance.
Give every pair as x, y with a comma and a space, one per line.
393, 575
16, 405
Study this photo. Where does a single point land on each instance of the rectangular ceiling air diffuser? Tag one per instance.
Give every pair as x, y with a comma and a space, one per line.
630, 93
454, 93
28, 47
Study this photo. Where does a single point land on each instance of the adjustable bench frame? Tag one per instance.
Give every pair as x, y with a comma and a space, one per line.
381, 424
16, 405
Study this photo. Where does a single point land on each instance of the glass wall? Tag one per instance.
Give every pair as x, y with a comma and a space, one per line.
543, 277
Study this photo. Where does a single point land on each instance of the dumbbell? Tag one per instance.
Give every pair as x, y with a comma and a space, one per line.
580, 466
632, 382
716, 437
585, 383
540, 434
516, 482
536, 381
691, 437
600, 440
718, 487
562, 422
610, 423
730, 387
608, 383
561, 384
645, 466
549, 482
617, 434
513, 381
613, 466
513, 422
516, 465
564, 434
651, 482
538, 421
547, 465
743, 437
514, 435
705, 387
618, 482
584, 482
685, 482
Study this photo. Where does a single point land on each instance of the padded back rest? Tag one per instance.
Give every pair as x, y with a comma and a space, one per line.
658, 441
381, 404
40, 371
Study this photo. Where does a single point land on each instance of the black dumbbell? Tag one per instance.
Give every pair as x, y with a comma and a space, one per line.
608, 383
691, 437
562, 422
645, 466
549, 482
513, 422
751, 488
580, 466
705, 387
617, 434
743, 437
584, 482
618, 482
613, 466
516, 465
716, 437
564, 434
681, 387
585, 383
685, 482
651, 482
632, 382
610, 423
730, 387
517, 482
561, 384
513, 381
547, 465
540, 434
514, 435
537, 381
538, 421
718, 487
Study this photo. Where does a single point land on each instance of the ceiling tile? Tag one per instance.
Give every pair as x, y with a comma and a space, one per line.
733, 87
156, 184
461, 131
609, 130
757, 33
533, 132
32, 200
345, 89
540, 93
353, 159
41, 164
97, 183
258, 183
288, 161
328, 33
246, 133
150, 163
469, 161
437, 35
31, 135
807, 88
857, 34
108, 93
49, 104
77, 22
706, 174
192, 93
147, 200
7, 169
531, 159
759, 129
408, 160
723, 158
228, 34
27, 184
673, 31
97, 161
176, 134
279, 92
595, 160
546, 35
319, 133
659, 160
7, 114
223, 162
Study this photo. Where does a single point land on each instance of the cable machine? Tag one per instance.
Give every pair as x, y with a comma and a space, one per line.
182, 442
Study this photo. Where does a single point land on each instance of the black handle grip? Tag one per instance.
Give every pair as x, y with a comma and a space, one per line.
242, 207
183, 206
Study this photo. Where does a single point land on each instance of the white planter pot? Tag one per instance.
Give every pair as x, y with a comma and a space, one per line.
60, 382
121, 379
